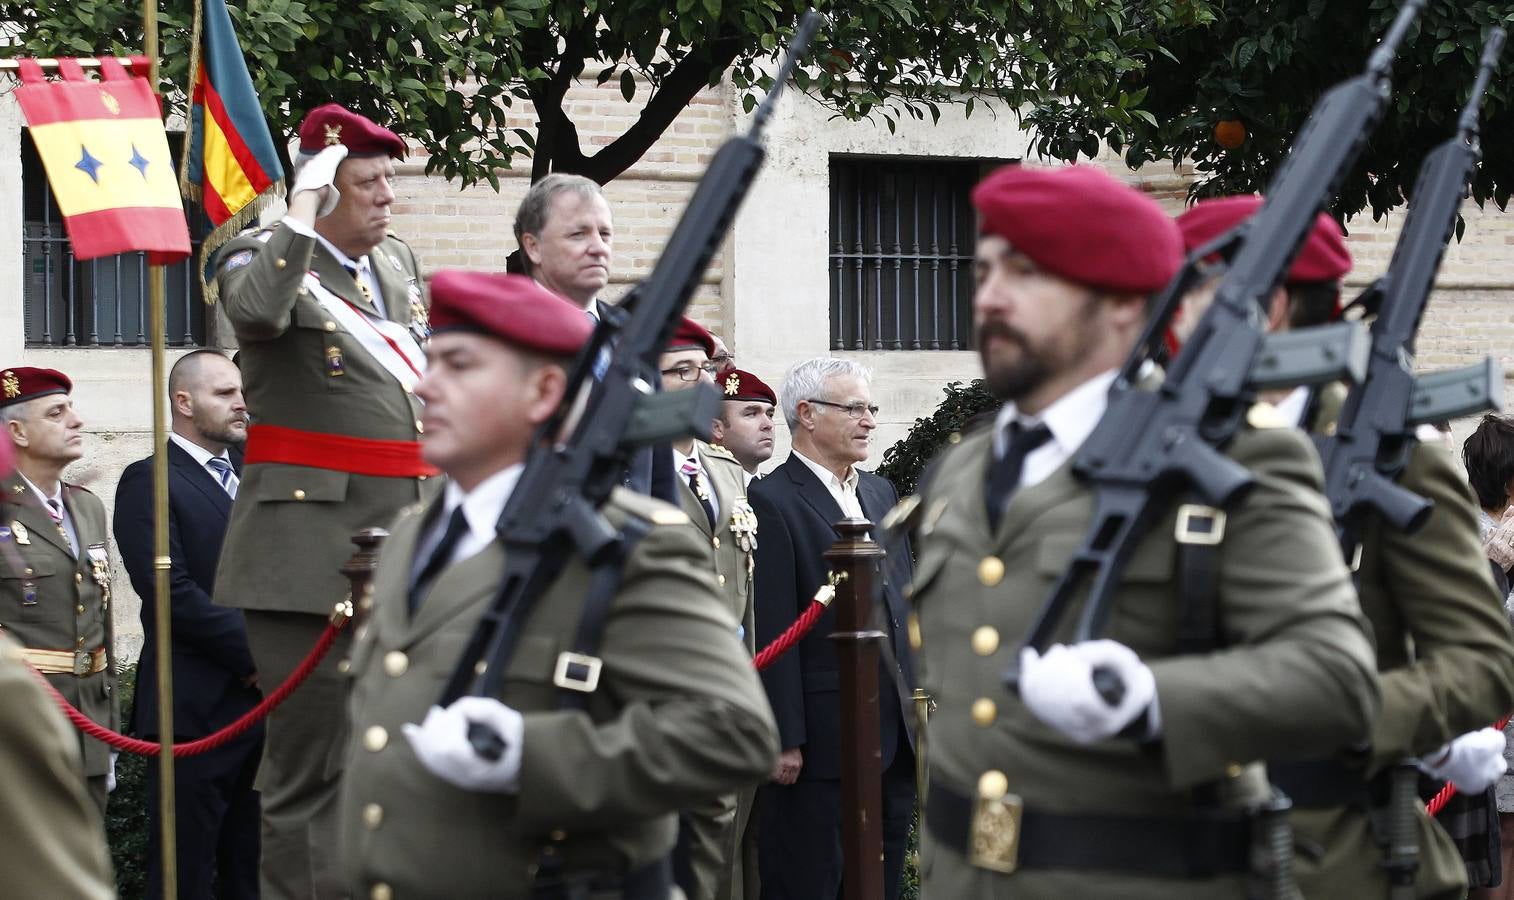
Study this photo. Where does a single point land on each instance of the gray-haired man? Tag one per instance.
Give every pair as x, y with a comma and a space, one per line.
828, 405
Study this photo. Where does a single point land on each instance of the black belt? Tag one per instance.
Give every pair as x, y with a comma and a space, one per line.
1321, 784
650, 882
1197, 846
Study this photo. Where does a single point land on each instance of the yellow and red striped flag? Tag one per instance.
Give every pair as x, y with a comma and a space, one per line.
107, 159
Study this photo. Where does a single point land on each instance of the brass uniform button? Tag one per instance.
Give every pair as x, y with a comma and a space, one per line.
992, 785
299, 494
985, 640
1234, 770
984, 711
79, 609
720, 579
716, 542
395, 663
331, 326
420, 427
29, 571
914, 631
991, 571
375, 738
80, 642
343, 666
373, 816
78, 578
381, 891
421, 477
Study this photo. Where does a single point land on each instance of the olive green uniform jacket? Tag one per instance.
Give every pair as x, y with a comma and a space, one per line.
55, 841
1296, 677
1445, 661
714, 828
60, 601
679, 716
291, 526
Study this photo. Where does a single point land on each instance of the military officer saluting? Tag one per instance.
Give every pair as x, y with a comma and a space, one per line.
1445, 655
711, 488
582, 802
55, 570
1051, 791
327, 307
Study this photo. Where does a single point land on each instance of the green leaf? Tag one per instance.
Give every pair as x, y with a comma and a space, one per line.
712, 9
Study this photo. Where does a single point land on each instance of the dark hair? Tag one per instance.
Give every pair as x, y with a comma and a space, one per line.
1312, 302
1489, 456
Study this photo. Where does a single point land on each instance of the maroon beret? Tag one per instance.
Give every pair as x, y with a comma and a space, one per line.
690, 335
1323, 257
513, 308
1082, 224
742, 385
331, 124
24, 383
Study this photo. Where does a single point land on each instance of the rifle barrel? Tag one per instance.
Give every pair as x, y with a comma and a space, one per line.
801, 42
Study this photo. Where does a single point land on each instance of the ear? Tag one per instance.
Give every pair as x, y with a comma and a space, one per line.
806, 411
531, 247
183, 404
717, 430
1277, 309
17, 432
1125, 310
545, 390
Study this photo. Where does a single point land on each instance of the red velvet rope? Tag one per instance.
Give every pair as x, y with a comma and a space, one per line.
220, 738
1439, 801
789, 638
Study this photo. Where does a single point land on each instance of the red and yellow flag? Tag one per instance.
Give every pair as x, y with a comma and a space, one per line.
107, 159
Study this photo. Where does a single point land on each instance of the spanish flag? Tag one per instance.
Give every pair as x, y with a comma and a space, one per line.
107, 159
230, 164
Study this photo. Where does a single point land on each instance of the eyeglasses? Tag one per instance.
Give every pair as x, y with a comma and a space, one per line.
853, 410
689, 372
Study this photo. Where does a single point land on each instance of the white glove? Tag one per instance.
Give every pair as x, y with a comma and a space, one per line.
1472, 761
441, 745
320, 172
1058, 687
110, 777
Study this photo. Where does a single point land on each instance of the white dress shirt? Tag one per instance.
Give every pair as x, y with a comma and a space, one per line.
704, 476
844, 492
67, 524
203, 457
1071, 419
481, 509
1293, 406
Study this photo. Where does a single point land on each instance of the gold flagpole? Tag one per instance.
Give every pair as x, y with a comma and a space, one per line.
161, 602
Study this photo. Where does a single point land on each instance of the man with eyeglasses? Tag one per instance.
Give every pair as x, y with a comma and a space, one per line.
828, 406
711, 489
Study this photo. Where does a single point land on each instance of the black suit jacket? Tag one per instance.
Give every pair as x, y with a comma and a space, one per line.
795, 515
210, 652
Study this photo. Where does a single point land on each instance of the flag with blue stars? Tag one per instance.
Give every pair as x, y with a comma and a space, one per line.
107, 160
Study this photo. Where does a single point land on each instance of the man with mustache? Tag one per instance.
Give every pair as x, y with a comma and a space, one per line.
214, 677
328, 310
828, 405
1050, 790
55, 569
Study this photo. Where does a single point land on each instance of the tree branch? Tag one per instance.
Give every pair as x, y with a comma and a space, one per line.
555, 132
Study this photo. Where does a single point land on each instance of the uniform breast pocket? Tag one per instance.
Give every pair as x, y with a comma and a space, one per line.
278, 483
38, 592
326, 351
1144, 613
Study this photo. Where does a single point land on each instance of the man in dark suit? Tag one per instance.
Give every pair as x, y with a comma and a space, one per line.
827, 403
215, 681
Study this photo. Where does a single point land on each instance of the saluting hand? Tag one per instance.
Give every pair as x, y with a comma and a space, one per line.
317, 176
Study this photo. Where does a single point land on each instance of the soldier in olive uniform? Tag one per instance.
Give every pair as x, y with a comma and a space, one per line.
1052, 791
711, 488
55, 572
582, 801
55, 841
1445, 654
745, 425
328, 310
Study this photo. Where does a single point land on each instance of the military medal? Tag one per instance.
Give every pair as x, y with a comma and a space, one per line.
22, 538
744, 529
334, 365
420, 317
99, 564
29, 594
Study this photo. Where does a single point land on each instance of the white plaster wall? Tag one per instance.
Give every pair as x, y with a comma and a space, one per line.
779, 277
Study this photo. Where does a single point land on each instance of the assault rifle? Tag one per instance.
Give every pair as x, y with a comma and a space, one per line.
1374, 436
1151, 446
554, 511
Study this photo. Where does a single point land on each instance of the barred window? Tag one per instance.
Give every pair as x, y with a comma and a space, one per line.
102, 302
901, 263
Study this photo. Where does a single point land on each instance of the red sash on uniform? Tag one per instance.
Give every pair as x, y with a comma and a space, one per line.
360, 456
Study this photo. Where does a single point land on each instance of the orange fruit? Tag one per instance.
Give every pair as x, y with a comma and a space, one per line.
1230, 133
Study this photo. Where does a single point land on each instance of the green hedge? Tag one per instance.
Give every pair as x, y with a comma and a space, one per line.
126, 816
904, 462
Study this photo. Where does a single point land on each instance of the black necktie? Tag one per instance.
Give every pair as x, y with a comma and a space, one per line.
690, 471
1006, 473
457, 526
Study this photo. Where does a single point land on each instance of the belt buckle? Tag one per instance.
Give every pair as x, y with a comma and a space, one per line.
994, 835
1199, 524
82, 663
577, 672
